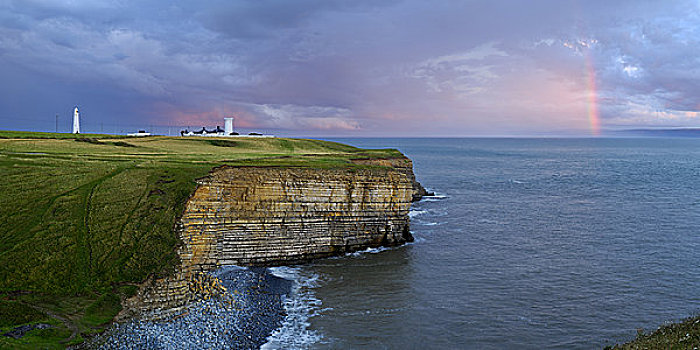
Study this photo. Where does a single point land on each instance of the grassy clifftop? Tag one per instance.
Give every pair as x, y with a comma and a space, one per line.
85, 219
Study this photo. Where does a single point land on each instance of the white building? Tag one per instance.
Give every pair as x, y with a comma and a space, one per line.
76, 121
140, 133
228, 126
226, 131
204, 132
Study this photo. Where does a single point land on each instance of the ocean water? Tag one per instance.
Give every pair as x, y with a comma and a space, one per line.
529, 244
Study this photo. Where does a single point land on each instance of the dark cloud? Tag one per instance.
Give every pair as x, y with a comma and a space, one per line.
339, 67
267, 18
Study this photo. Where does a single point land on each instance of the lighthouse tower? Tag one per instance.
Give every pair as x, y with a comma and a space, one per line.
228, 126
76, 121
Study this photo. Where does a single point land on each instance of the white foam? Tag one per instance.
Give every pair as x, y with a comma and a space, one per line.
413, 213
431, 223
300, 306
432, 199
369, 251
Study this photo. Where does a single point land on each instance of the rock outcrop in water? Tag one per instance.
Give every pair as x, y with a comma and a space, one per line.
265, 216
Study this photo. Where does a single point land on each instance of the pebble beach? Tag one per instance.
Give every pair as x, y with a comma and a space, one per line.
244, 319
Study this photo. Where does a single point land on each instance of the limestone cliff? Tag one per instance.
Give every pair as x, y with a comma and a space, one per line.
275, 216
404, 166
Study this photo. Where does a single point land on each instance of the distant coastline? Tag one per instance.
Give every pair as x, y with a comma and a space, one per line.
666, 132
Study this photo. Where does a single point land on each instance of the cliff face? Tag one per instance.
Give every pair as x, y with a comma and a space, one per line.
404, 166
274, 216
268, 216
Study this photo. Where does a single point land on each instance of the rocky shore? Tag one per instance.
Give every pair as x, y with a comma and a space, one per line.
245, 313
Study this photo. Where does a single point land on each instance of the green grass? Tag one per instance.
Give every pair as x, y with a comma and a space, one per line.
52, 338
84, 222
15, 313
675, 336
8, 134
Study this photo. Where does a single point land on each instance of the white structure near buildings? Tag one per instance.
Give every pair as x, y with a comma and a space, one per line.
228, 126
140, 133
204, 132
227, 131
76, 121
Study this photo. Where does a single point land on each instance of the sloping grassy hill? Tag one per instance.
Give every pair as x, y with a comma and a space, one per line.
85, 219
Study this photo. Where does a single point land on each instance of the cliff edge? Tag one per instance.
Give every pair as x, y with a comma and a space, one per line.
266, 216
90, 221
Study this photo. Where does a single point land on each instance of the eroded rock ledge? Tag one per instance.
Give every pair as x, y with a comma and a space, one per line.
275, 216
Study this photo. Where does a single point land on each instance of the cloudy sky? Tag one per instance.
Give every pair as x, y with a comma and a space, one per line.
352, 68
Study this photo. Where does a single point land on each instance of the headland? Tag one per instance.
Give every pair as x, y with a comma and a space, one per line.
97, 226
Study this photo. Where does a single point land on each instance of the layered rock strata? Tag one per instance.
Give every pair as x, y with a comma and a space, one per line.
273, 216
402, 165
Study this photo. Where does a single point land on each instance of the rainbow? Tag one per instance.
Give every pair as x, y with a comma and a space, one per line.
592, 95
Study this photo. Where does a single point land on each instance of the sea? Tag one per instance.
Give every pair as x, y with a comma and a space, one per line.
528, 243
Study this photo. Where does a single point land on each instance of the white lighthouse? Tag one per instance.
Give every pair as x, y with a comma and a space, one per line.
228, 126
76, 121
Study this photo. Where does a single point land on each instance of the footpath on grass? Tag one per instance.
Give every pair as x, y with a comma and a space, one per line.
87, 218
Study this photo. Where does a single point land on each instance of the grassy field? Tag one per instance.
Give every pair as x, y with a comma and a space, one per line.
85, 219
